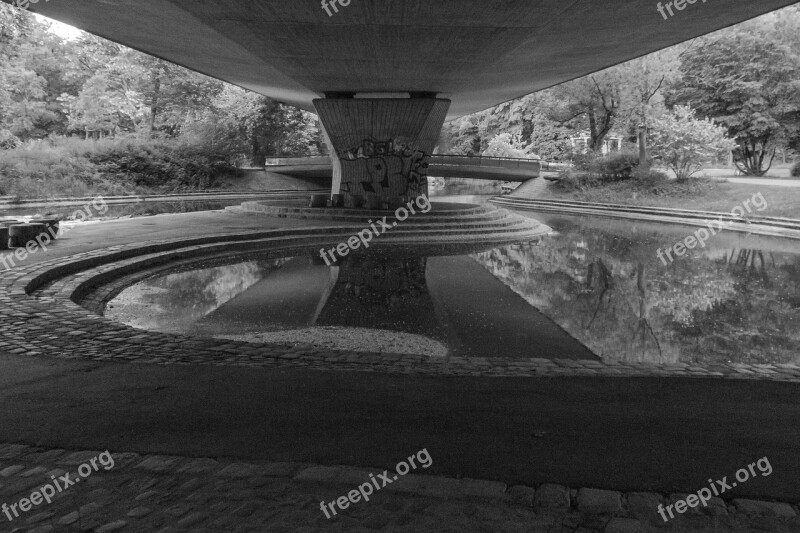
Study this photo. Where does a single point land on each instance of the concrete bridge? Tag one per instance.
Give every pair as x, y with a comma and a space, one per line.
384, 75
440, 166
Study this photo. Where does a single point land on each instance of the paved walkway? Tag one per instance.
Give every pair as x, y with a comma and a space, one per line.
165, 494
531, 188
581, 430
767, 181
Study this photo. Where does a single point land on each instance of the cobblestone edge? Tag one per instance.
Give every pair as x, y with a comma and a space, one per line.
41, 318
549, 498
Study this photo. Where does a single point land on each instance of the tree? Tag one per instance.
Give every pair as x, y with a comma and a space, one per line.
645, 81
529, 119
597, 100
33, 73
750, 82
93, 109
504, 145
266, 128
683, 141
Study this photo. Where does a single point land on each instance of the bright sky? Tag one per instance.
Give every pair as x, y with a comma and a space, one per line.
59, 28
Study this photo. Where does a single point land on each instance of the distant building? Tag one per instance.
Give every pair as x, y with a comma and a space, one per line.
581, 141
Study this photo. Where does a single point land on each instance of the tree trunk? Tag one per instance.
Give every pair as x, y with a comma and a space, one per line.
750, 155
598, 134
643, 147
156, 96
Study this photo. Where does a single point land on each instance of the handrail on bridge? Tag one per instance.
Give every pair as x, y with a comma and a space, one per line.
435, 159
280, 160
489, 157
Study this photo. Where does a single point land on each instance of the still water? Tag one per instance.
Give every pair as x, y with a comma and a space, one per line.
594, 289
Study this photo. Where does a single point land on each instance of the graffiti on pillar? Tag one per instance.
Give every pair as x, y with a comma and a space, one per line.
385, 168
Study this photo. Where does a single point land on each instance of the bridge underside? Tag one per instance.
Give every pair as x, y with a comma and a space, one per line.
476, 53
440, 166
433, 59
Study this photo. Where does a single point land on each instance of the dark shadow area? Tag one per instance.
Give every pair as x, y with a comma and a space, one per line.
666, 435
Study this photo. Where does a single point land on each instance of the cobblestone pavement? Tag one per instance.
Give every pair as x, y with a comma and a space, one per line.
151, 493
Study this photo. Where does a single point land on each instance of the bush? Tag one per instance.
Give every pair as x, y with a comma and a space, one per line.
613, 166
683, 142
8, 141
76, 167
796, 170
162, 167
576, 180
645, 180
651, 181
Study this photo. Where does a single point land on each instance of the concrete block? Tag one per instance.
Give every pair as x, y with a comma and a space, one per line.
319, 200
21, 234
51, 223
599, 501
551, 497
521, 495
486, 490
759, 508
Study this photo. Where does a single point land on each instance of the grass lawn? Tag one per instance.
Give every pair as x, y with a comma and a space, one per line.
697, 194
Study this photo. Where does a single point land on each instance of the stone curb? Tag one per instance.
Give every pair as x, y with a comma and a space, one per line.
630, 507
768, 226
52, 320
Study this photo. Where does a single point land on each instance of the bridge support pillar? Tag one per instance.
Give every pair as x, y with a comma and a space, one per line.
381, 147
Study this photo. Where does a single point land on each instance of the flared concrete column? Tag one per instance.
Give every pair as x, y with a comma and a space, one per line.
381, 146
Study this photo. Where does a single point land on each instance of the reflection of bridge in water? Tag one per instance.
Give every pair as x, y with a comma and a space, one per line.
440, 166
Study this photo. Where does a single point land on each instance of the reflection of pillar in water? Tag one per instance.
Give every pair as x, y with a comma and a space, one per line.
376, 291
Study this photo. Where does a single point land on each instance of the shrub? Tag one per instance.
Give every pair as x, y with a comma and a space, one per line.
76, 167
651, 181
683, 142
796, 170
8, 141
617, 165
576, 180
612, 166
504, 145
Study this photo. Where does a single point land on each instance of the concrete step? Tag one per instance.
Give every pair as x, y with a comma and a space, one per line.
524, 203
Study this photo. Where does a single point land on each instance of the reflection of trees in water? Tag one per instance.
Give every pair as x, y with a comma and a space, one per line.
601, 301
611, 292
600, 277
745, 262
202, 290
760, 325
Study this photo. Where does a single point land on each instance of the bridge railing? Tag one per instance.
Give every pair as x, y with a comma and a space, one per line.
436, 159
